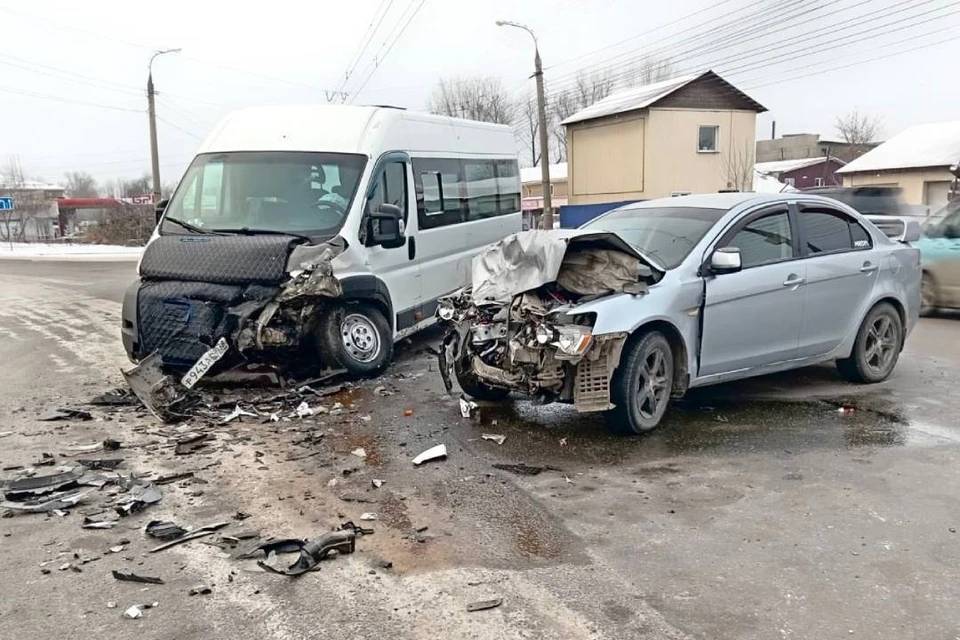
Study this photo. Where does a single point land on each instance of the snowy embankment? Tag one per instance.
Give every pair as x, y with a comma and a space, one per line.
42, 251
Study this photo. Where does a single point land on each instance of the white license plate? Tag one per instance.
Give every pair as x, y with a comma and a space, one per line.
203, 365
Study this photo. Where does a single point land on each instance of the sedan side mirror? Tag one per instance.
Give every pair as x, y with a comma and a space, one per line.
725, 260
384, 227
161, 207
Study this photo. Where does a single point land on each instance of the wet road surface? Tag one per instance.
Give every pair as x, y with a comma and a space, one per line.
793, 506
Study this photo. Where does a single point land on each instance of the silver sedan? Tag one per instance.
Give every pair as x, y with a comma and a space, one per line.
658, 297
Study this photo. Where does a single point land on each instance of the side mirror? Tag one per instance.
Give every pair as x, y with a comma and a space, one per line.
725, 260
384, 227
161, 207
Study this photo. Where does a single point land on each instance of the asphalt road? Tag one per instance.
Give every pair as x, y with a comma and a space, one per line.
758, 510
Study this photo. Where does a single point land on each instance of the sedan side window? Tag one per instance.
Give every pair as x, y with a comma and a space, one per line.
764, 240
827, 231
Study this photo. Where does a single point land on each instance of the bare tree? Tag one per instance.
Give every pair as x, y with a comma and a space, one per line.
475, 98
592, 87
738, 168
858, 130
649, 69
81, 184
29, 203
528, 127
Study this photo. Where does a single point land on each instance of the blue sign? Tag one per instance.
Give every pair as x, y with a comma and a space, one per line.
6, 204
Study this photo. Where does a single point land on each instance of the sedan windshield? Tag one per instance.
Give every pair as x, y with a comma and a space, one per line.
301, 193
665, 233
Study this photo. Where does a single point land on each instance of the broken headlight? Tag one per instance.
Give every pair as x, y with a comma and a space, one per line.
573, 340
545, 334
446, 310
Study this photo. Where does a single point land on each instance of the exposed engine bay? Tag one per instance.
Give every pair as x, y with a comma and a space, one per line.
517, 327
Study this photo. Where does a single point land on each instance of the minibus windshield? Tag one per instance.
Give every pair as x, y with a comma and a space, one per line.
278, 191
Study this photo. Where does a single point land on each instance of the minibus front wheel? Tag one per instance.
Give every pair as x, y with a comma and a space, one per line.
357, 337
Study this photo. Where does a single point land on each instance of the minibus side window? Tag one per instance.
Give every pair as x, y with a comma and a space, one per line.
391, 188
440, 192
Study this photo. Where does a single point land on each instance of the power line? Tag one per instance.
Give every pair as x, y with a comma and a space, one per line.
365, 41
44, 96
179, 128
389, 49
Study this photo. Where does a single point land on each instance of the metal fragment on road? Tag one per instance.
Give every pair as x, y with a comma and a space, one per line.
304, 410
360, 452
164, 530
485, 604
66, 413
192, 444
495, 437
41, 485
144, 498
129, 576
466, 407
438, 452
158, 392
377, 483
205, 363
198, 533
107, 464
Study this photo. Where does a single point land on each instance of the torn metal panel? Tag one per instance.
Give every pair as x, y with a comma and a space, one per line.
530, 259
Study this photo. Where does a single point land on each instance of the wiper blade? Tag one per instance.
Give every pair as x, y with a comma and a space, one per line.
187, 226
247, 231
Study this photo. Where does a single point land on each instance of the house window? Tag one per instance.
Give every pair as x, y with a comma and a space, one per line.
707, 140
818, 182
790, 181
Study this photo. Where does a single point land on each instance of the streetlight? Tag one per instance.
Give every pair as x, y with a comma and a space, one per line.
544, 138
152, 112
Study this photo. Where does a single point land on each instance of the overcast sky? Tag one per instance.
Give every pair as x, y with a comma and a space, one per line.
57, 54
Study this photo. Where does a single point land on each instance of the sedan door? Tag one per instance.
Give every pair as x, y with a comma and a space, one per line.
752, 317
842, 268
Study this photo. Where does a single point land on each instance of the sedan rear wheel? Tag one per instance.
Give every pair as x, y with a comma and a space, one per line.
642, 385
877, 348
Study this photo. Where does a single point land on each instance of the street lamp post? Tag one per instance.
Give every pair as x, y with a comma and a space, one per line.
152, 113
547, 222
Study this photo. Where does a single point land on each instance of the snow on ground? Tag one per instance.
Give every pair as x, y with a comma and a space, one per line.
763, 183
44, 251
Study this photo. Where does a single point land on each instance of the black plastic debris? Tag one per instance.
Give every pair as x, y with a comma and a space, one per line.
66, 413
111, 445
197, 533
25, 488
147, 496
59, 501
312, 552
521, 469
129, 576
200, 590
115, 398
192, 444
482, 605
173, 477
104, 464
164, 530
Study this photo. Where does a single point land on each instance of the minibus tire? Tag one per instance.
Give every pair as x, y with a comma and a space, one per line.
340, 324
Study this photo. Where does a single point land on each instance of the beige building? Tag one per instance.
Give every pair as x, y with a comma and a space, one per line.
917, 160
798, 146
694, 134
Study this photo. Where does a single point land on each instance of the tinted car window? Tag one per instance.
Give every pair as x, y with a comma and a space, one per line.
861, 239
826, 231
764, 240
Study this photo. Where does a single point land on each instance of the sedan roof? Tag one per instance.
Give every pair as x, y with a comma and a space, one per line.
726, 200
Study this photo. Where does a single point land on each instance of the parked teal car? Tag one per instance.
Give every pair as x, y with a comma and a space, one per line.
940, 255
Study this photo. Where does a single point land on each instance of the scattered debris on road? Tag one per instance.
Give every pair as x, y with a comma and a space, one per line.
68, 413
144, 498
360, 452
312, 552
368, 516
201, 532
466, 407
200, 590
495, 437
438, 452
129, 576
164, 530
485, 604
520, 469
136, 611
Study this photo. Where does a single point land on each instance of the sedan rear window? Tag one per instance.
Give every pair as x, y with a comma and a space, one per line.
665, 233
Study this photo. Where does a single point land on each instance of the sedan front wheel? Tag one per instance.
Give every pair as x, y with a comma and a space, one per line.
642, 385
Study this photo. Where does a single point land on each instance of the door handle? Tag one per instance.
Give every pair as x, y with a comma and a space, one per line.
868, 267
411, 248
793, 281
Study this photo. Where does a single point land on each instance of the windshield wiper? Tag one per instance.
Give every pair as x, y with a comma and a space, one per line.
186, 225
247, 231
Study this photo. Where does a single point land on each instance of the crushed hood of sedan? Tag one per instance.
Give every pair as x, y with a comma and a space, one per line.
581, 262
517, 327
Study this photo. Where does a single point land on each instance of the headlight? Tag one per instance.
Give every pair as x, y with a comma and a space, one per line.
545, 334
573, 340
445, 310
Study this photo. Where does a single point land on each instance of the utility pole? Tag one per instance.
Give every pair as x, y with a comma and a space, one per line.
547, 221
152, 114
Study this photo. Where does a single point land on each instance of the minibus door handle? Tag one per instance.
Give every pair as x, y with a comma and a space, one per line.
411, 247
